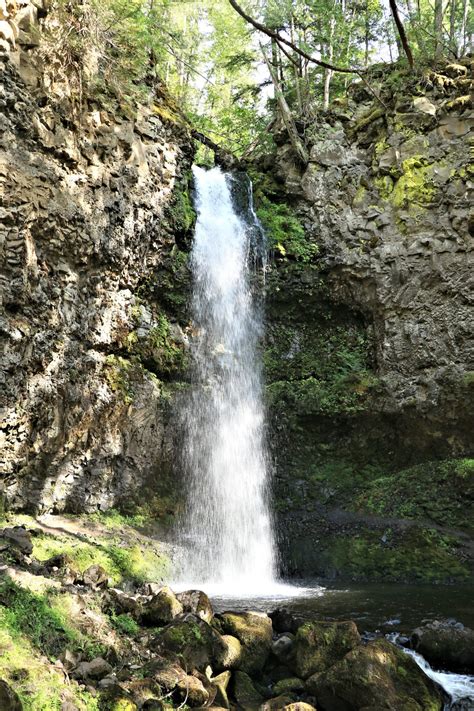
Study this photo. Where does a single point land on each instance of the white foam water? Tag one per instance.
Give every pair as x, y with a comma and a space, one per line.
227, 529
459, 687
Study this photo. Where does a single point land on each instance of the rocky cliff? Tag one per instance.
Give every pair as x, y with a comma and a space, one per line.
368, 354
94, 204
370, 350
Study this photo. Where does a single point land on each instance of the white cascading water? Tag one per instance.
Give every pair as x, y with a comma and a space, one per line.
459, 687
228, 530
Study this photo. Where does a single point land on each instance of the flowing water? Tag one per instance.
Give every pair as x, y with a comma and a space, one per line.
228, 544
228, 529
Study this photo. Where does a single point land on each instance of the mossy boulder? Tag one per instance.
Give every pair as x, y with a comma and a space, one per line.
277, 703
229, 656
165, 671
244, 692
196, 643
191, 691
254, 631
446, 646
161, 609
377, 675
319, 645
197, 602
285, 686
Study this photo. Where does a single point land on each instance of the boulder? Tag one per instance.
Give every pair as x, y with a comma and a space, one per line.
95, 577
18, 537
285, 621
165, 671
446, 646
254, 631
245, 693
123, 602
197, 602
144, 691
378, 675
197, 643
282, 647
69, 659
191, 691
9, 700
96, 669
230, 654
319, 645
285, 686
299, 706
277, 703
161, 609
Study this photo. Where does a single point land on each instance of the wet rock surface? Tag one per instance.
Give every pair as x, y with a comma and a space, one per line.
446, 645
377, 675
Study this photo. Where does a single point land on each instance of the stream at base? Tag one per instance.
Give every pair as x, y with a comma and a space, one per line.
392, 609
389, 607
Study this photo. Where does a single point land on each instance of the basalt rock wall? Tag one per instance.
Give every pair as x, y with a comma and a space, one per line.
93, 202
370, 353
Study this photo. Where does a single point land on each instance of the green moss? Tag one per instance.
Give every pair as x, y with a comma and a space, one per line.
284, 231
182, 211
158, 351
118, 373
23, 612
415, 186
33, 627
384, 185
116, 520
359, 197
119, 562
366, 119
167, 114
317, 370
439, 491
421, 554
125, 624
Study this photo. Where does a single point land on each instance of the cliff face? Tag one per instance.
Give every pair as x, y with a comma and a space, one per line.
370, 352
94, 199
368, 355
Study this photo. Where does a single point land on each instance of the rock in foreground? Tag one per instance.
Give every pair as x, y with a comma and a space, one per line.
378, 675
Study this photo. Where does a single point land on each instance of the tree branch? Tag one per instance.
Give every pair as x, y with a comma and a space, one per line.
282, 40
401, 31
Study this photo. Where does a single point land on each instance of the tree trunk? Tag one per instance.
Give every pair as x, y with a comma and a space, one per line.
328, 72
401, 32
465, 10
438, 28
452, 27
296, 142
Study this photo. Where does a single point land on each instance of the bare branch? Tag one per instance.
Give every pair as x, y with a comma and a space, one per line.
282, 40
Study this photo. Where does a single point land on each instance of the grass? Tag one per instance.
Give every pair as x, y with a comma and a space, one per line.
31, 628
119, 562
125, 624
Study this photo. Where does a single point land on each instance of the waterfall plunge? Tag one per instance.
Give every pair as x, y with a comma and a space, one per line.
227, 528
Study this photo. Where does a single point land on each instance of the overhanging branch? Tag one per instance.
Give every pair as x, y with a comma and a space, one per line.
282, 40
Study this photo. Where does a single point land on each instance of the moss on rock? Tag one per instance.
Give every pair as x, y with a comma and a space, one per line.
377, 675
319, 645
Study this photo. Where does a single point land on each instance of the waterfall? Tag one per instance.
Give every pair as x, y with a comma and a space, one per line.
227, 526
